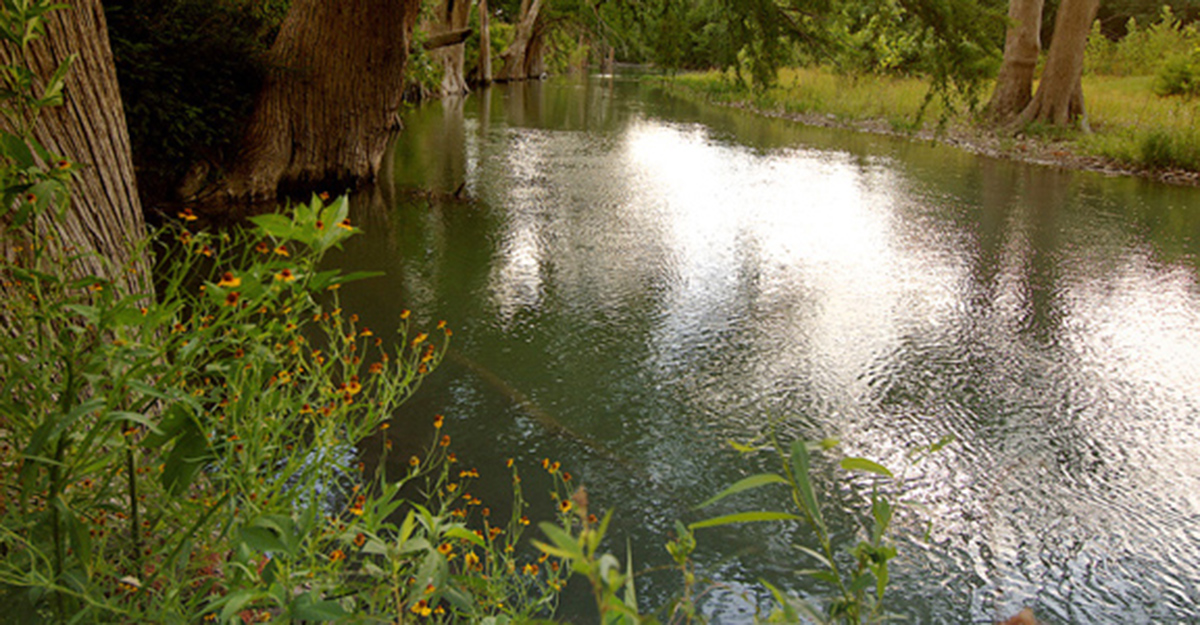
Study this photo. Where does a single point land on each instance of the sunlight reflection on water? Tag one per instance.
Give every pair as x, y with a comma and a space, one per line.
662, 279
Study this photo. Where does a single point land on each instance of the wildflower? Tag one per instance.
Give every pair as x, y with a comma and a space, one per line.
445, 440
353, 388
324, 195
306, 409
63, 164
384, 426
437, 421
469, 473
445, 549
96, 288
262, 247
232, 298
360, 539
229, 281
451, 458
320, 225
509, 463
592, 520
375, 368
450, 488
187, 215
282, 251
404, 314
420, 339
545, 463
413, 461
421, 608
494, 532
566, 476
285, 275
205, 250
441, 325
564, 506
366, 332
554, 467
337, 556
530, 569
345, 225
524, 520
471, 562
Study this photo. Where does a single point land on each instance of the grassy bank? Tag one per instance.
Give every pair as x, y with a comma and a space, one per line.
1134, 130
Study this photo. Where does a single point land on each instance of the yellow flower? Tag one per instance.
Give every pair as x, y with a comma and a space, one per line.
414, 461
282, 251
564, 506
445, 549
285, 276
187, 215
421, 608
337, 555
437, 421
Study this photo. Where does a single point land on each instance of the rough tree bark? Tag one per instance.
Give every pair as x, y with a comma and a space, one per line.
1022, 45
451, 16
105, 215
330, 103
485, 44
522, 59
1059, 97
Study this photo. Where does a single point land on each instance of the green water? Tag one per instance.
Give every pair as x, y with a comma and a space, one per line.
634, 280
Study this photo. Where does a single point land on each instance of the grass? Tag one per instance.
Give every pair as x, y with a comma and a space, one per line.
1132, 126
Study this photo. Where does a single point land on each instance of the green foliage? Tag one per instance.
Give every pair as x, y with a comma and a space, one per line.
232, 396
1179, 75
1144, 50
189, 71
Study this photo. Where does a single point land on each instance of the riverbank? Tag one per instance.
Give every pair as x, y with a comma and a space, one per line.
1134, 131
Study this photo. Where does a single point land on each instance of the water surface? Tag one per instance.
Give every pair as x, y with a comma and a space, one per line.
659, 277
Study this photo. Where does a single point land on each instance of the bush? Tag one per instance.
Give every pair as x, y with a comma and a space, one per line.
1179, 75
1142, 50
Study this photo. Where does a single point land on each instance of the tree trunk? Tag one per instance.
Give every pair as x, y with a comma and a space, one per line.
485, 44
524, 53
451, 16
330, 103
1059, 97
105, 215
1022, 44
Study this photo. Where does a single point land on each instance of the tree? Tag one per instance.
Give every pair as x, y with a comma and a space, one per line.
104, 220
1059, 97
331, 98
1022, 45
449, 30
523, 57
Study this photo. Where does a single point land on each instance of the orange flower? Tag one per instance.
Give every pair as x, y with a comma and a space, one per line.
445, 441
228, 281
187, 215
282, 251
337, 556
262, 247
285, 275
232, 298
360, 539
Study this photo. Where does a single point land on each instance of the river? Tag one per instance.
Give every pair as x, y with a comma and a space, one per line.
634, 280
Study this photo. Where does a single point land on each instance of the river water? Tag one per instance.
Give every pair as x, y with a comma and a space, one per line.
636, 280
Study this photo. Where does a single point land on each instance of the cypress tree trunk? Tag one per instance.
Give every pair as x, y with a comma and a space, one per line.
1059, 97
330, 103
451, 16
105, 215
485, 44
1022, 44
523, 55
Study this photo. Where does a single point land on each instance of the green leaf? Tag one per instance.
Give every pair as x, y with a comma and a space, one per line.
562, 540
15, 148
862, 464
754, 481
465, 534
745, 517
307, 607
134, 417
234, 602
800, 471
275, 225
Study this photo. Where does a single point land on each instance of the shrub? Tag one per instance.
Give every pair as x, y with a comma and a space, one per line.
1179, 75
